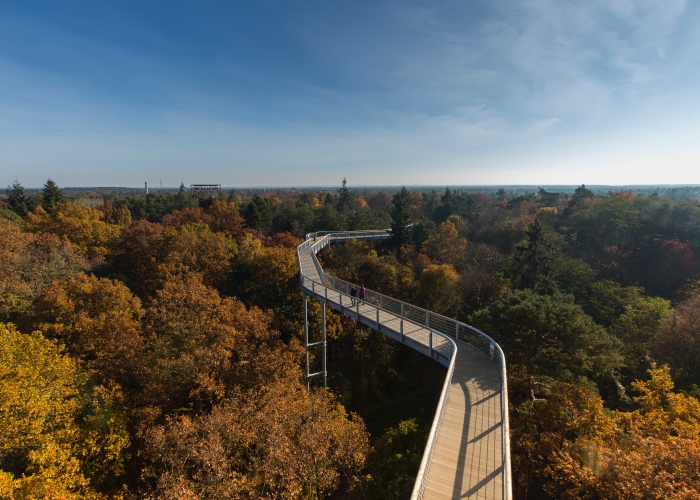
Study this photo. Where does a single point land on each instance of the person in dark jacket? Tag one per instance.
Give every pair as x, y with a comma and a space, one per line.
353, 294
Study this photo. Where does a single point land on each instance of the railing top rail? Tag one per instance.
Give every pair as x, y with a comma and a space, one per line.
329, 234
420, 480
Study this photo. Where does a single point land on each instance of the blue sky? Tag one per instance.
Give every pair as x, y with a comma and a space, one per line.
381, 92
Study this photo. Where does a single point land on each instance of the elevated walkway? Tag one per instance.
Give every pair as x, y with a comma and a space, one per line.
468, 449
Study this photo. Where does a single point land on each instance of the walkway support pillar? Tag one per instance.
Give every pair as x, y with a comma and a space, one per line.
306, 340
430, 343
323, 354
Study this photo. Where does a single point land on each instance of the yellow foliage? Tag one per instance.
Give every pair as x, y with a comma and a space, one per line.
581, 452
83, 227
194, 248
446, 246
122, 215
436, 282
53, 432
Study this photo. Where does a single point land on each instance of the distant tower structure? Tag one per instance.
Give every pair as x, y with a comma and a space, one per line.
146, 183
206, 193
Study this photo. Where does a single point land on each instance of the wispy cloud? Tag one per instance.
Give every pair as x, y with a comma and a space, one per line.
387, 90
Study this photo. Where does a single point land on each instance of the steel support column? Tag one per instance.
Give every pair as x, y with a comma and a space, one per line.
306, 340
323, 354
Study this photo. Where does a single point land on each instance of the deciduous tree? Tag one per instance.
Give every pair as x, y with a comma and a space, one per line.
58, 437
79, 225
446, 246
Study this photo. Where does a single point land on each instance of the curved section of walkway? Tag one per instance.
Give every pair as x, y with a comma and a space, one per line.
468, 450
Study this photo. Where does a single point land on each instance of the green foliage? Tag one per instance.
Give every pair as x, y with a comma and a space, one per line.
635, 327
401, 219
258, 214
547, 198
422, 230
549, 337
448, 206
11, 216
50, 195
395, 460
17, 200
346, 197
534, 260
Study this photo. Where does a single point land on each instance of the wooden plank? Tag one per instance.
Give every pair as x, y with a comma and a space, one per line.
467, 459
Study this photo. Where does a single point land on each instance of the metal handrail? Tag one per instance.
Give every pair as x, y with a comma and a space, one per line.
436, 323
422, 476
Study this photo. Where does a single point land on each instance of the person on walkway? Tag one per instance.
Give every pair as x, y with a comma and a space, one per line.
363, 291
353, 294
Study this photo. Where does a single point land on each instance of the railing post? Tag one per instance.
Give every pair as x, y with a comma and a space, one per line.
402, 329
347, 287
402, 309
456, 330
427, 319
430, 342
378, 328
380, 302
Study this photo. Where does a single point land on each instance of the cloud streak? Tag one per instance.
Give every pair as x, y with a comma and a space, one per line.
392, 92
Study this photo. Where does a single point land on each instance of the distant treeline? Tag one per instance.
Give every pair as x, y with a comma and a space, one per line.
673, 192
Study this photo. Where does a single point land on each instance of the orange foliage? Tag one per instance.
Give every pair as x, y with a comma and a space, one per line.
201, 344
190, 215
193, 248
98, 319
579, 451
226, 219
28, 264
136, 254
276, 441
83, 227
221, 217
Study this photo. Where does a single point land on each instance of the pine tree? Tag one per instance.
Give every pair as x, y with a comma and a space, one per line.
345, 197
447, 207
50, 195
17, 200
580, 194
401, 219
258, 214
535, 259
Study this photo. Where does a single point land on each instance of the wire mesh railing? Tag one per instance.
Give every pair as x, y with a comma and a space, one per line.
436, 323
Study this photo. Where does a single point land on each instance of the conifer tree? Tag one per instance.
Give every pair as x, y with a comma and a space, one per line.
447, 207
50, 195
534, 260
401, 219
258, 214
346, 197
17, 200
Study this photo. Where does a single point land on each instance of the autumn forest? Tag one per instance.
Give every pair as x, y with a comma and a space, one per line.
151, 348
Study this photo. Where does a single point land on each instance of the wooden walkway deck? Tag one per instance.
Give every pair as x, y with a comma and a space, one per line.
467, 461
